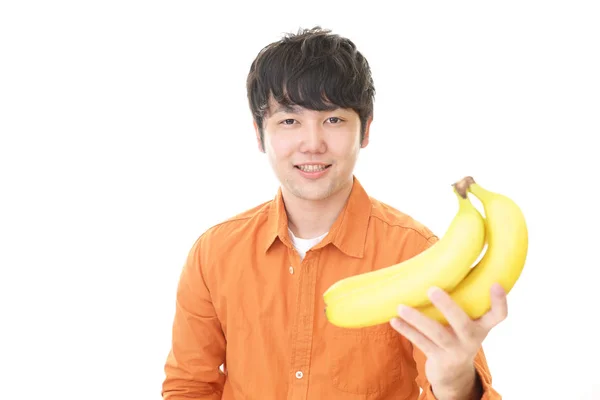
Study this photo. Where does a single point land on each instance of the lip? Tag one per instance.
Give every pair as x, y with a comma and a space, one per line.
311, 163
315, 174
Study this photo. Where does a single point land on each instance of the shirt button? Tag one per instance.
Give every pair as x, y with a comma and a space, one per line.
291, 269
299, 374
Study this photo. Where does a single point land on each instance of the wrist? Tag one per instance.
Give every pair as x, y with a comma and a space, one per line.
466, 386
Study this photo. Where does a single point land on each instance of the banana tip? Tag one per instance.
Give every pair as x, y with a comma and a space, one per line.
462, 186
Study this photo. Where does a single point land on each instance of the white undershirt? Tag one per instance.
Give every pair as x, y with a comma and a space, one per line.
303, 245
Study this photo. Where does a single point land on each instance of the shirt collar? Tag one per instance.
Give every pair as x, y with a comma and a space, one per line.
348, 233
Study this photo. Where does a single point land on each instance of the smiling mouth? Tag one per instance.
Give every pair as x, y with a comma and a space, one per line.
313, 167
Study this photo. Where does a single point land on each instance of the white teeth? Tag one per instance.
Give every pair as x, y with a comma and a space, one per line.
312, 168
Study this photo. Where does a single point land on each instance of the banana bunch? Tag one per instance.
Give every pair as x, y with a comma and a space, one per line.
372, 298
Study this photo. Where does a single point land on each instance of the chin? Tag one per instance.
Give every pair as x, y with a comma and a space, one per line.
314, 196
312, 192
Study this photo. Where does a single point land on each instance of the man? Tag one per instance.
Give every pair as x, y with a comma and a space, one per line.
249, 320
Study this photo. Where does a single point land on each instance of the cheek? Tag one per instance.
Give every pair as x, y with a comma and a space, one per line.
345, 149
280, 148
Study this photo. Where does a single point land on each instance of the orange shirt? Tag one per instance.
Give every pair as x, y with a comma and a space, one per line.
245, 299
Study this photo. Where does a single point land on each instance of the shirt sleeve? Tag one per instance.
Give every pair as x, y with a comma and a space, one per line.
198, 342
481, 366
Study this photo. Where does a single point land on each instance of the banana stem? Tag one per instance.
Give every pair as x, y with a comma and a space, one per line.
462, 186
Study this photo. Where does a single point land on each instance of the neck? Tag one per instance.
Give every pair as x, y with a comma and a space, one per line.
311, 218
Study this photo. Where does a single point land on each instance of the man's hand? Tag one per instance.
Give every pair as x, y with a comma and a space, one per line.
451, 350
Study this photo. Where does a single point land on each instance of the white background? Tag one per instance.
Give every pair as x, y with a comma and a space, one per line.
125, 133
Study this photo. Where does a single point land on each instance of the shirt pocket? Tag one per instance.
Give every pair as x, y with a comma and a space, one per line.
365, 361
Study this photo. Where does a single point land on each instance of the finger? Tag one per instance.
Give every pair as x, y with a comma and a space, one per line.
430, 328
499, 309
416, 338
464, 327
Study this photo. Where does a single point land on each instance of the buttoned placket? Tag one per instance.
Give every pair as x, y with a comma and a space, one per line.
302, 328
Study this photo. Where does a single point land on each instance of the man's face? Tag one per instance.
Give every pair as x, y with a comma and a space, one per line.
313, 153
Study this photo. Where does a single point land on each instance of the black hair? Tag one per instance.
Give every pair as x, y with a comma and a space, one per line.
314, 69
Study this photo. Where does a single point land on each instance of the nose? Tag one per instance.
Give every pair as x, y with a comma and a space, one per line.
313, 139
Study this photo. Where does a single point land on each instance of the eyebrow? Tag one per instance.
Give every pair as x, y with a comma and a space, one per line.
289, 109
294, 109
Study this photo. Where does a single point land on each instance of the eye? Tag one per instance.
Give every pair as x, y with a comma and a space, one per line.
289, 121
334, 120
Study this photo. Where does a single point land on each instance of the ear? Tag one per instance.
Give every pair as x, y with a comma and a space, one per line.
257, 132
365, 141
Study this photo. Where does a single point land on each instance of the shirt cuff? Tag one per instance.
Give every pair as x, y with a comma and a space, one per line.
489, 393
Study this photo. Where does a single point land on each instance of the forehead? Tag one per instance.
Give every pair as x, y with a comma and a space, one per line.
278, 108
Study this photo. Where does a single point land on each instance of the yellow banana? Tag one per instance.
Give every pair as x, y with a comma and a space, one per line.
343, 286
371, 298
502, 262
